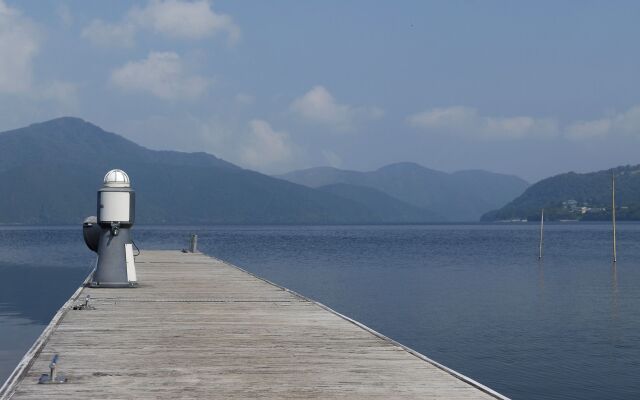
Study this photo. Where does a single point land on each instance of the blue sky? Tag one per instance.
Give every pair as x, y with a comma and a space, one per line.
531, 89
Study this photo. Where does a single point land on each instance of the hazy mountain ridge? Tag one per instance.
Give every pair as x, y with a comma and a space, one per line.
381, 204
583, 196
51, 171
73, 140
459, 196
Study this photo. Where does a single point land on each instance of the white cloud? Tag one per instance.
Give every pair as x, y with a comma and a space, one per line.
170, 18
109, 35
180, 132
184, 19
254, 144
265, 146
161, 74
627, 123
23, 97
19, 43
467, 121
319, 106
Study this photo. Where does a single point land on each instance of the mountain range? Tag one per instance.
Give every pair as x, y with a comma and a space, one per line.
453, 197
51, 171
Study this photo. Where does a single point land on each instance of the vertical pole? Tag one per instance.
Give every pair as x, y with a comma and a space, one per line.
614, 289
541, 233
193, 246
613, 214
52, 369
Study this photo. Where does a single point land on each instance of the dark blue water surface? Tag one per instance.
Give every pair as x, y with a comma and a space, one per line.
473, 297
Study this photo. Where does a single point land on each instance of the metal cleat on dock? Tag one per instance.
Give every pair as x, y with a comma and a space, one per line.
193, 245
52, 376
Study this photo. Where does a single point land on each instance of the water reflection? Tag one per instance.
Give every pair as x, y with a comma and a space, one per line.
541, 276
17, 334
35, 292
614, 291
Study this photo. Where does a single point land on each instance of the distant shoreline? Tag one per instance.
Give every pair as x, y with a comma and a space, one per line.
472, 223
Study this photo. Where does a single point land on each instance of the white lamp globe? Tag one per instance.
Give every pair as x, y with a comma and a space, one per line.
117, 178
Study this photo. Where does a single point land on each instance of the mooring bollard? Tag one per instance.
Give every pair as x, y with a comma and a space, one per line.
53, 376
193, 245
52, 368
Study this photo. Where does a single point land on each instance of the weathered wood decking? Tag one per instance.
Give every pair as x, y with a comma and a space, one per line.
199, 328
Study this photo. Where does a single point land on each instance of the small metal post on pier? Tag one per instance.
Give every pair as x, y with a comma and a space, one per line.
541, 233
52, 368
53, 376
193, 244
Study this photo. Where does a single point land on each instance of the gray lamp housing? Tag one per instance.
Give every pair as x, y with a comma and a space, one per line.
109, 233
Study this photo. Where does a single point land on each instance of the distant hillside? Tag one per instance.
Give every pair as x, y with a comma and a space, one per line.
460, 196
384, 207
50, 173
577, 196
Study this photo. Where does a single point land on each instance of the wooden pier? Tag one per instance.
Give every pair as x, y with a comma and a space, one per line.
199, 328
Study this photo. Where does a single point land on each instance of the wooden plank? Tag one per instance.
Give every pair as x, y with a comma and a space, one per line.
197, 327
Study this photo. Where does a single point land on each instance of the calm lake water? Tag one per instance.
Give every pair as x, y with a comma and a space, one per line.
473, 297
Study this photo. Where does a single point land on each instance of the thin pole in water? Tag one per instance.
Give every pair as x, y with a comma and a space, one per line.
541, 233
613, 214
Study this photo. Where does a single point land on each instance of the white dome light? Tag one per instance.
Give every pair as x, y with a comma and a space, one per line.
117, 178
